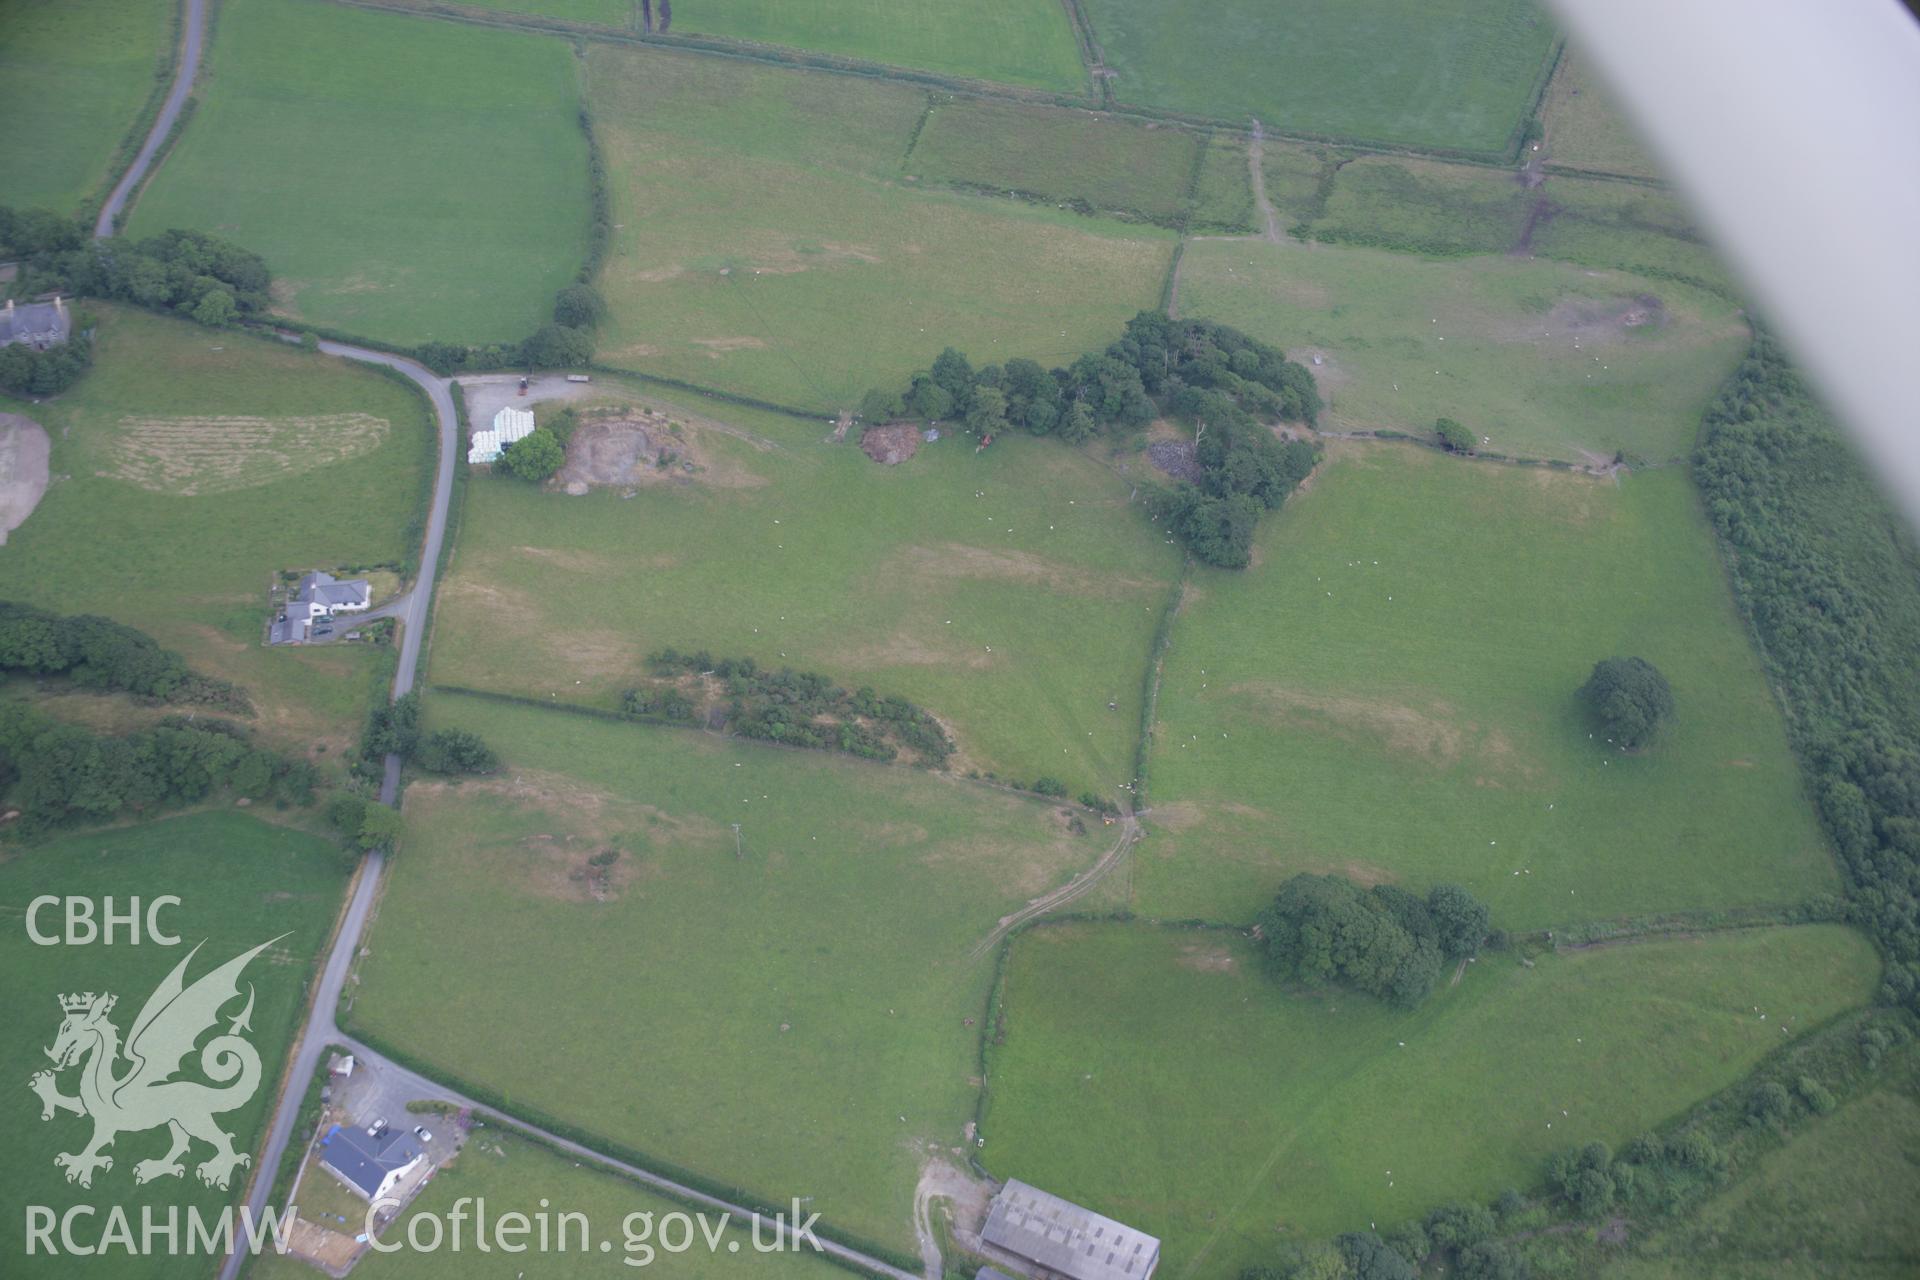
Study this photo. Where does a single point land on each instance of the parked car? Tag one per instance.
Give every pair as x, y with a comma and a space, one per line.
420, 1132
373, 1130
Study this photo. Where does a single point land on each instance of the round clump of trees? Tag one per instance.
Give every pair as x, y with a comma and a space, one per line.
1384, 941
1629, 700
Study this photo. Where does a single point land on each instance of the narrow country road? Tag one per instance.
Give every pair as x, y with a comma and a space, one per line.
414, 612
192, 39
320, 1029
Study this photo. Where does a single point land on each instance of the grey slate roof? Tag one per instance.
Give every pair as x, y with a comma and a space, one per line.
1066, 1239
364, 1161
324, 588
38, 323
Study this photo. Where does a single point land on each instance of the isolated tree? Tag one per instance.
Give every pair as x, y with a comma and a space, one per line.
1629, 699
558, 346
988, 413
879, 406
456, 751
1368, 1257
535, 456
928, 400
579, 306
1453, 437
1460, 920
216, 310
379, 826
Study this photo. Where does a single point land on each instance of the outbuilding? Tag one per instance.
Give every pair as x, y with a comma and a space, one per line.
1064, 1239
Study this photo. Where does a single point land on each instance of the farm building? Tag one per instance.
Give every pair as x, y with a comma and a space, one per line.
309, 610
38, 324
509, 424
369, 1166
1064, 1239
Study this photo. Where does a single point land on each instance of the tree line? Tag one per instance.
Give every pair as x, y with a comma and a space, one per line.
1833, 616
214, 282
54, 772
187, 273
1217, 380
99, 653
796, 708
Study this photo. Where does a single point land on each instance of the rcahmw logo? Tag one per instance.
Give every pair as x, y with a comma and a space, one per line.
129, 1086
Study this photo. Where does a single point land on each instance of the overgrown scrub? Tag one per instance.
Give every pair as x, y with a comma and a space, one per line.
99, 653
1829, 579
55, 773
796, 708
1212, 377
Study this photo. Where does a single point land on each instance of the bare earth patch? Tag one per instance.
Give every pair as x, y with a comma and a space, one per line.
958, 560
1401, 729
23, 470
630, 453
192, 456
1206, 958
891, 445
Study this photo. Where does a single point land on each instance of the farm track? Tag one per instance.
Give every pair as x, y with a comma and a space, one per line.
1071, 891
1270, 231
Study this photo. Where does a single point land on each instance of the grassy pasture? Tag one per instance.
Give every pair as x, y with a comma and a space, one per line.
1488, 341
171, 407
1159, 1076
767, 244
1459, 74
1108, 162
624, 14
1389, 692
515, 1175
1835, 1202
791, 1016
1223, 196
1014, 593
1585, 128
240, 882
1023, 42
343, 145
72, 80
1433, 208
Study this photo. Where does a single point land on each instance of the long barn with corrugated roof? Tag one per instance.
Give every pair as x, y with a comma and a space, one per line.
1064, 1239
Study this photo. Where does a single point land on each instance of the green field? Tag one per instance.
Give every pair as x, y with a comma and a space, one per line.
792, 1015
1835, 1203
624, 14
1389, 692
1223, 195
1108, 163
1546, 359
767, 245
1439, 209
1013, 593
1158, 1076
72, 81
515, 1175
1585, 129
1023, 42
1456, 74
240, 882
342, 145
195, 464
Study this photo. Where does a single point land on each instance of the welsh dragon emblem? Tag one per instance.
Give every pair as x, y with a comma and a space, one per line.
144, 1094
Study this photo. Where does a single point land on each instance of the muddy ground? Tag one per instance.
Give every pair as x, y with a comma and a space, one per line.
892, 444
